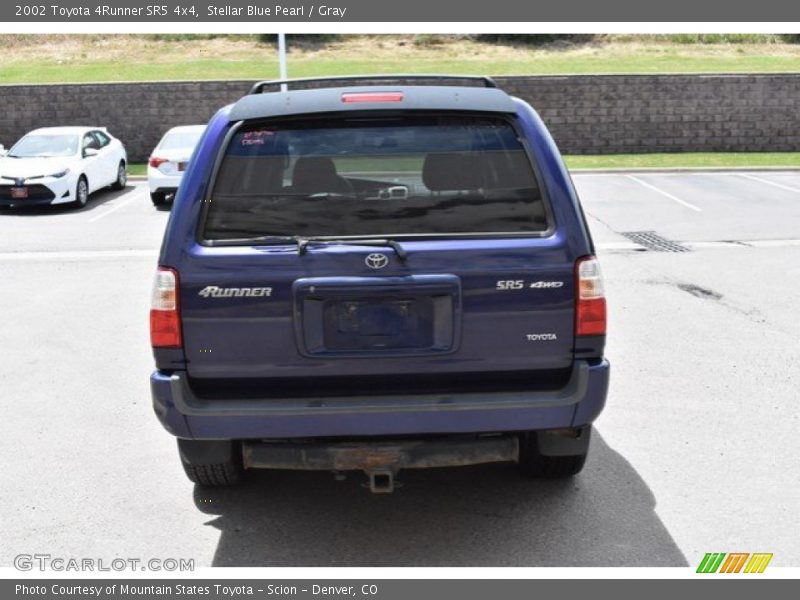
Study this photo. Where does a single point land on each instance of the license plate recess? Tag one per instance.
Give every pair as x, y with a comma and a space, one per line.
376, 316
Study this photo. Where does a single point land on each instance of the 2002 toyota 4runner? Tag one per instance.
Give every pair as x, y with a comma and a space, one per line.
377, 276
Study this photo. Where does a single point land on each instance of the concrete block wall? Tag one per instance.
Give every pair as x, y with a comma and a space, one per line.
587, 114
604, 114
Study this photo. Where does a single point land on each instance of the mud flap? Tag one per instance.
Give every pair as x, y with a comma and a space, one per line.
563, 442
207, 452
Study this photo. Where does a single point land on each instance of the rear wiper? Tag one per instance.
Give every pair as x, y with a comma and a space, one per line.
257, 239
302, 244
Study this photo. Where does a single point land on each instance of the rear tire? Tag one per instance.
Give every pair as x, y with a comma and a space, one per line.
122, 177
220, 475
535, 462
211, 463
158, 198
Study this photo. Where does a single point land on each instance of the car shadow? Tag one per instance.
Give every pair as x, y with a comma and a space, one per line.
96, 200
474, 516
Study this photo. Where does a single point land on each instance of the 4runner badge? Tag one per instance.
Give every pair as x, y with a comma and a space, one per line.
376, 260
213, 291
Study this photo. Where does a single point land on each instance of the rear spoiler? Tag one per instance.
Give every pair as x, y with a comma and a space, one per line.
315, 82
260, 104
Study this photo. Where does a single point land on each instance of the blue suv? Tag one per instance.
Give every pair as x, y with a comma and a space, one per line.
376, 274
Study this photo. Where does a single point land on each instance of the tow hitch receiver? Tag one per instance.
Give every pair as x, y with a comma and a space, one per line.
381, 460
381, 481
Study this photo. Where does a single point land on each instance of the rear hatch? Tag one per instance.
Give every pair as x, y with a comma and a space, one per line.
402, 251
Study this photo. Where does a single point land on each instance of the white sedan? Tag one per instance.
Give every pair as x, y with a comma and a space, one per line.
169, 160
60, 165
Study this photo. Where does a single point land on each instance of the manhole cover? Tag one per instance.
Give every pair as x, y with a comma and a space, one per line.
652, 241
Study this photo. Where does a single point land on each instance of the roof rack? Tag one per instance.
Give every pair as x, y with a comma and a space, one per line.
258, 88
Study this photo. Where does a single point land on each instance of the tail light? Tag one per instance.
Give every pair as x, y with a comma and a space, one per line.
165, 320
156, 162
590, 310
354, 97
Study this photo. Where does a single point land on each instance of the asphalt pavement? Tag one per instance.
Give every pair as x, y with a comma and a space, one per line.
696, 451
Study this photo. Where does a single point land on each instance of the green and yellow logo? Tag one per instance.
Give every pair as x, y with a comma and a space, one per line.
734, 562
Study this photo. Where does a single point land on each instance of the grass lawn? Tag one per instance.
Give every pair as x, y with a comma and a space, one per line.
82, 58
730, 160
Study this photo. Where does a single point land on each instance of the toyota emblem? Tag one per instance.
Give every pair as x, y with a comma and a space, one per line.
376, 260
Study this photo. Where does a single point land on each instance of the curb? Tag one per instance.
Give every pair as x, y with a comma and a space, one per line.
681, 169
620, 171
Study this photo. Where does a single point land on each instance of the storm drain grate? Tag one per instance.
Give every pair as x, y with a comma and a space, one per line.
652, 241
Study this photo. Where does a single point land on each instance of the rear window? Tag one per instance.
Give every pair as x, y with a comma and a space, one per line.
180, 140
359, 177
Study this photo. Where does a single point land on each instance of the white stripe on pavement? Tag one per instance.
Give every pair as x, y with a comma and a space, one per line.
663, 193
153, 254
77, 255
617, 246
624, 246
687, 173
773, 243
134, 196
768, 182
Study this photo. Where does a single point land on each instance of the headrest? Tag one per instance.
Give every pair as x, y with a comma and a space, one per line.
317, 174
450, 171
313, 167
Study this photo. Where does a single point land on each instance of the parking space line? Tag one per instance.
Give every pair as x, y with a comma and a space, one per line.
768, 182
718, 244
616, 246
51, 256
663, 193
773, 243
650, 174
687, 173
134, 196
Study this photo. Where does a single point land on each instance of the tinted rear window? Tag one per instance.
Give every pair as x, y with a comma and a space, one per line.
405, 176
180, 140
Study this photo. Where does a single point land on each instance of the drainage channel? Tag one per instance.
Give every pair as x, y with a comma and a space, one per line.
652, 241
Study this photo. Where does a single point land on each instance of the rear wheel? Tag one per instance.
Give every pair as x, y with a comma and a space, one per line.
158, 198
220, 475
81, 192
554, 454
211, 463
122, 177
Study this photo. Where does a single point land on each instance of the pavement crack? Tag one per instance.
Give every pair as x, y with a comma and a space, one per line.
705, 293
699, 291
601, 221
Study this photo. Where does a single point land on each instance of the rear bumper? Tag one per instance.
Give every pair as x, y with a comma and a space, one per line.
159, 182
185, 415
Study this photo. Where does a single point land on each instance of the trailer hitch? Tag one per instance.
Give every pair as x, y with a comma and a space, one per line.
381, 481
381, 460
